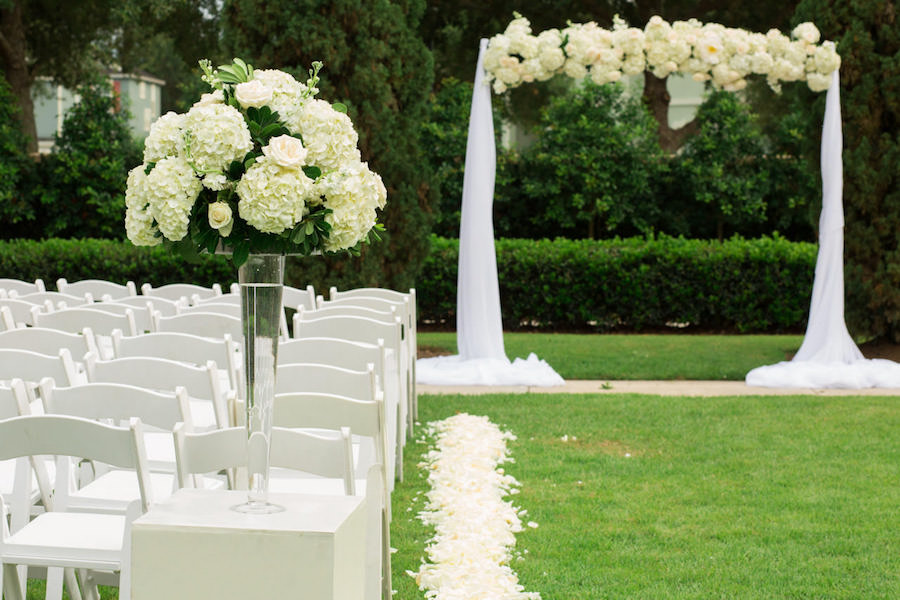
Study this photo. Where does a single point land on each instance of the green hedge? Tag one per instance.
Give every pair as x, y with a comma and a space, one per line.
634, 284
113, 260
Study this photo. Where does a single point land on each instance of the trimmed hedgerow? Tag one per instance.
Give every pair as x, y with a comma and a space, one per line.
112, 260
738, 285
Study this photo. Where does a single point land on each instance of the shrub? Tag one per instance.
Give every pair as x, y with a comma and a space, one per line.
112, 260
14, 164
739, 285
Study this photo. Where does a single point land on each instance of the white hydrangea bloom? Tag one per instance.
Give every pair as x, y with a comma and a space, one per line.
328, 135
218, 135
806, 32
214, 97
165, 137
287, 94
138, 221
172, 187
273, 198
818, 82
352, 192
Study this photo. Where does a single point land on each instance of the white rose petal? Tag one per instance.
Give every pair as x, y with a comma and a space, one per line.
286, 151
253, 93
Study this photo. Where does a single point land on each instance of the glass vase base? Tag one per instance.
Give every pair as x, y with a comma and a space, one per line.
255, 507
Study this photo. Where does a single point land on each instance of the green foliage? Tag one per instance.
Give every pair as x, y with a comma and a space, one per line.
14, 163
739, 285
721, 163
868, 40
593, 164
376, 64
81, 188
444, 136
113, 260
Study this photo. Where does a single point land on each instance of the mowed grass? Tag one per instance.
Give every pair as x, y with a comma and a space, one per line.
640, 356
689, 498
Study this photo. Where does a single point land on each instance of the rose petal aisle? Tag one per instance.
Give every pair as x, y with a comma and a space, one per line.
474, 526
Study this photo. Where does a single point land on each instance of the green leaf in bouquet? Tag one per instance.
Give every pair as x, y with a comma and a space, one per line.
340, 107
240, 253
310, 227
271, 130
149, 168
187, 249
235, 170
312, 172
248, 162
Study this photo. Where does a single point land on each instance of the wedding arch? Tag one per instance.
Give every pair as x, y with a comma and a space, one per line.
709, 52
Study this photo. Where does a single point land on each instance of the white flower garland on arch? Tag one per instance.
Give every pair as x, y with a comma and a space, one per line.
474, 527
710, 52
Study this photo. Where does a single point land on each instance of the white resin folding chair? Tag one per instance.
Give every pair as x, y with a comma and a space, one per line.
205, 324
203, 383
212, 306
98, 546
362, 329
409, 298
49, 341
22, 287
176, 291
328, 411
293, 298
183, 347
56, 299
355, 356
32, 367
7, 321
112, 490
165, 307
143, 315
20, 313
75, 320
97, 288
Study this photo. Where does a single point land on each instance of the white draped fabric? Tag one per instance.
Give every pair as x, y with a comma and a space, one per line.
479, 328
828, 357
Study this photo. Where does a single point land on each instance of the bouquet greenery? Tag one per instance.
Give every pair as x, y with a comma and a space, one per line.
257, 165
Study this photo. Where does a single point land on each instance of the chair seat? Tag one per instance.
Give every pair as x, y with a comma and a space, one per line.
80, 540
112, 491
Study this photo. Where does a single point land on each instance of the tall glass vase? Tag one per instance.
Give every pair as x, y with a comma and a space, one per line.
261, 280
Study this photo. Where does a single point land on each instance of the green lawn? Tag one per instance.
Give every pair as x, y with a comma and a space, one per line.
635, 356
735, 497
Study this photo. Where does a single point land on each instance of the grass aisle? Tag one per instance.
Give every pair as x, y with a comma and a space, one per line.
662, 497
636, 356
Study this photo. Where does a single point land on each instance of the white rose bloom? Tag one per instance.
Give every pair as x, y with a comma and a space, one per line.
172, 188
552, 59
735, 86
253, 93
709, 49
761, 63
273, 198
220, 217
286, 151
777, 42
287, 94
806, 32
575, 69
218, 136
216, 97
634, 64
165, 137
499, 87
601, 77
138, 220
328, 135
784, 70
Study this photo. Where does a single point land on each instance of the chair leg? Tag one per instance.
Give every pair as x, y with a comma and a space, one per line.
88, 585
9, 583
386, 583
54, 589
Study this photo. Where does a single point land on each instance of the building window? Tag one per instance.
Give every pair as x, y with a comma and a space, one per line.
142, 90
152, 93
148, 116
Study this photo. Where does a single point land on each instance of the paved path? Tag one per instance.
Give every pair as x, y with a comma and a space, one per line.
663, 388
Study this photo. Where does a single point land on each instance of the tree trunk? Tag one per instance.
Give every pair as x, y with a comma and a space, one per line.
657, 98
15, 67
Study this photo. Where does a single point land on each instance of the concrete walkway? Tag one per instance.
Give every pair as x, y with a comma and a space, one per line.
662, 388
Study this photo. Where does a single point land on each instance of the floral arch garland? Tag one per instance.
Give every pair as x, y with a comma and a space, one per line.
707, 52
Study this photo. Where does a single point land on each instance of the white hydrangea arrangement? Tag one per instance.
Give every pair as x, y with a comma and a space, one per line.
707, 52
257, 165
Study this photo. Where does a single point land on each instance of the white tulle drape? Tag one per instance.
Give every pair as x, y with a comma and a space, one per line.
828, 357
479, 328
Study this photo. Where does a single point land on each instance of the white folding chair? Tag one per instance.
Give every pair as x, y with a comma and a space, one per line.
204, 324
165, 307
366, 330
32, 367
97, 288
230, 304
395, 296
294, 297
183, 347
74, 320
19, 313
143, 315
22, 287
112, 490
56, 299
328, 411
98, 546
208, 402
355, 356
49, 341
176, 291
